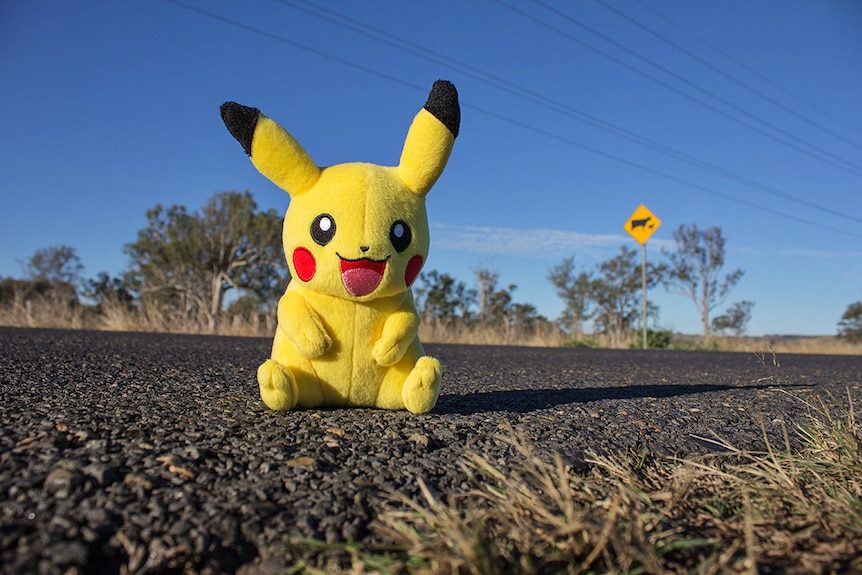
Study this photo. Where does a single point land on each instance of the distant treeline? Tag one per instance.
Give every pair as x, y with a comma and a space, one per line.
223, 267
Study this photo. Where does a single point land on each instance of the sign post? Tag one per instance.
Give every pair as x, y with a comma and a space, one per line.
641, 225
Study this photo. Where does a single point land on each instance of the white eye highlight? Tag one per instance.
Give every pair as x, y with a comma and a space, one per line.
322, 229
400, 236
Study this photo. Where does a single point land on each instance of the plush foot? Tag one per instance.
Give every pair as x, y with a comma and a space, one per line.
422, 386
277, 386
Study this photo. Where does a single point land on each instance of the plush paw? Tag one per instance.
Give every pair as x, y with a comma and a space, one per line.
387, 353
399, 332
422, 386
277, 386
312, 342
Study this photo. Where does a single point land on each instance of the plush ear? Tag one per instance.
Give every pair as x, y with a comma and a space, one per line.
271, 148
430, 138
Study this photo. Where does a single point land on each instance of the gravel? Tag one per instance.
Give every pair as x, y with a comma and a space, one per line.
145, 453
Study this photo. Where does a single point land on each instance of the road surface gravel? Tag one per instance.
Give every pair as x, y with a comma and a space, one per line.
146, 453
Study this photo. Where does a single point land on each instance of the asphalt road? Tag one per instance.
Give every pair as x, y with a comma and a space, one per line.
142, 453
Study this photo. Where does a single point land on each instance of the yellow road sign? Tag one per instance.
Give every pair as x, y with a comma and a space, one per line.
641, 224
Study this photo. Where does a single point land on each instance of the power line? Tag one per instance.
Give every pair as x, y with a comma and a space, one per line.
687, 82
505, 118
297, 45
549, 103
726, 75
742, 64
814, 151
655, 172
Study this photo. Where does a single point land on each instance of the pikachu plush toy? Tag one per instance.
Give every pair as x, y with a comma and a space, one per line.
355, 237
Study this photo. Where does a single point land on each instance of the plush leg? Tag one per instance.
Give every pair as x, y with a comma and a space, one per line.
278, 388
422, 386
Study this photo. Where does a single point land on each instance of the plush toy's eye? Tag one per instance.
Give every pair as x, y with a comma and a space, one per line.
400, 236
322, 229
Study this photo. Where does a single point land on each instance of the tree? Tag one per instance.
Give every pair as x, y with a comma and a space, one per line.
442, 299
574, 290
735, 319
494, 305
58, 265
244, 247
54, 273
165, 269
850, 326
616, 292
487, 280
189, 261
695, 270
105, 288
524, 319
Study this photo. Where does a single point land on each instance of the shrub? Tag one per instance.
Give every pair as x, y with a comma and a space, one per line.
658, 339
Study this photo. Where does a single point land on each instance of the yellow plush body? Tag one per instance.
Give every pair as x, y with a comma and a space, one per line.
355, 237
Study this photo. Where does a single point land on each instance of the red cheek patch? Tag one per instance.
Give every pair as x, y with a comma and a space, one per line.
413, 267
304, 264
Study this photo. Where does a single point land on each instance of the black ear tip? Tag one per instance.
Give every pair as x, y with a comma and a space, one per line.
233, 113
445, 88
443, 104
240, 121
225, 109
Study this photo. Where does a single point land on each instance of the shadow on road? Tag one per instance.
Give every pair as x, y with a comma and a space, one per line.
525, 401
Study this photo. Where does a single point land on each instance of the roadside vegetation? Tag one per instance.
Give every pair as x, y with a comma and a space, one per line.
792, 508
220, 270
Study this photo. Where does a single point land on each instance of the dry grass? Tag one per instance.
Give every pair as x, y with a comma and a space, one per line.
551, 337
47, 312
471, 334
823, 345
44, 312
736, 512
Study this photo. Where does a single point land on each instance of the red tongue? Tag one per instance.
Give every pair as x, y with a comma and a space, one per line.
361, 277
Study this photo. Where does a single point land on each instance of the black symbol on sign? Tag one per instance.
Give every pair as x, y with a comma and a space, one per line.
642, 224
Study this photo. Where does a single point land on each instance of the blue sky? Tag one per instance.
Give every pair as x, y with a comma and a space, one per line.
738, 114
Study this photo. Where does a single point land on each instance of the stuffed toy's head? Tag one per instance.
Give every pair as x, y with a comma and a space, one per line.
357, 234
354, 230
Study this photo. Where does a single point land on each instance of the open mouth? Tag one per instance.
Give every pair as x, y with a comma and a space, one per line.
361, 277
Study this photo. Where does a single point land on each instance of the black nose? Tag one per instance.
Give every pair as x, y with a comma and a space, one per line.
364, 248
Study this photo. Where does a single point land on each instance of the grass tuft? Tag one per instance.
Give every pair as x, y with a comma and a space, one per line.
736, 511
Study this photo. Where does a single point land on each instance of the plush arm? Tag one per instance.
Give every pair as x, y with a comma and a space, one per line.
399, 331
302, 326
